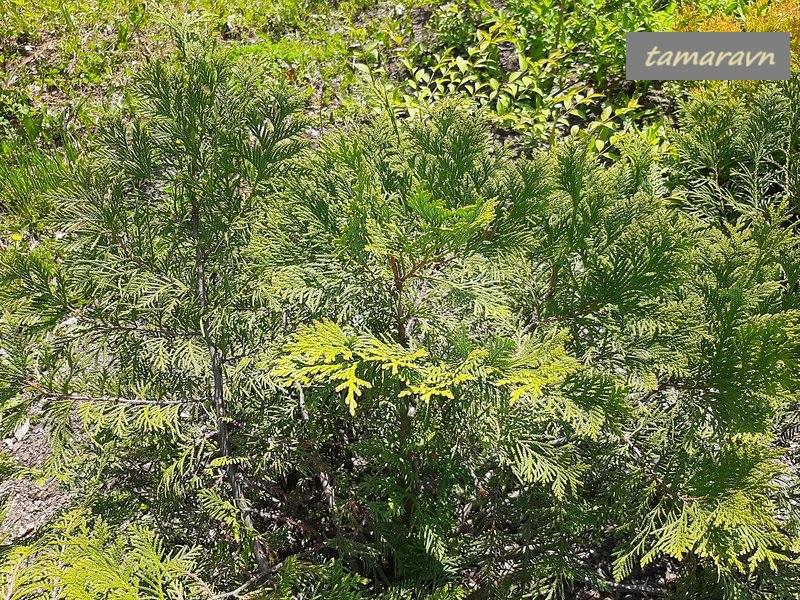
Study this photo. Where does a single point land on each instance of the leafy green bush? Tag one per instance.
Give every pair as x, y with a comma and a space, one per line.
589, 33
541, 70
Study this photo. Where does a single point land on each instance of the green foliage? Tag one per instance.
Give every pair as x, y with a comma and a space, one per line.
397, 363
737, 153
79, 557
540, 69
587, 28
126, 316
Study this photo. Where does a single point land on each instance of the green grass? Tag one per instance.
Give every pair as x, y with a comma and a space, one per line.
538, 76
64, 63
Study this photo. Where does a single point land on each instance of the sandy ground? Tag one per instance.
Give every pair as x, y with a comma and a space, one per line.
30, 504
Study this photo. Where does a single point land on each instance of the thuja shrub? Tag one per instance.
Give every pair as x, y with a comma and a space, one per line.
125, 321
398, 364
737, 150
762, 15
776, 15
691, 17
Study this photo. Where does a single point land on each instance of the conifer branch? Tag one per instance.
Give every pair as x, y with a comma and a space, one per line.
535, 321
145, 266
113, 399
220, 408
147, 331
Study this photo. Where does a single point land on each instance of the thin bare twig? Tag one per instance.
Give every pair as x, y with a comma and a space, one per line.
83, 398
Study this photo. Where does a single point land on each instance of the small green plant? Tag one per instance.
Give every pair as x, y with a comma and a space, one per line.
176, 184
536, 92
454, 25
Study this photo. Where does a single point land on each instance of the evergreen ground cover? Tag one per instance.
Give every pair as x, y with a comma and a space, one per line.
393, 301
